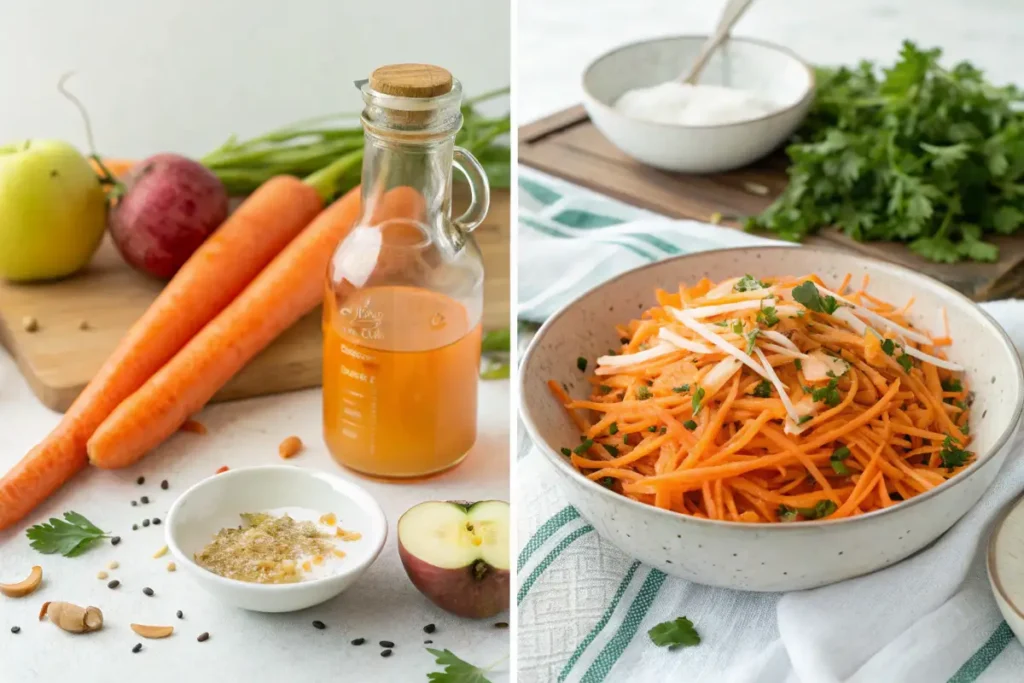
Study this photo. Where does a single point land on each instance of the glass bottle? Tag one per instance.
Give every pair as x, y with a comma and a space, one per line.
404, 294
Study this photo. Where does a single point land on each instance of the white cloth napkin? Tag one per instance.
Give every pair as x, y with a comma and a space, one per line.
585, 607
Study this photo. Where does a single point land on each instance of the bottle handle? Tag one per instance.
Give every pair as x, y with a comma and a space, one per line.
479, 188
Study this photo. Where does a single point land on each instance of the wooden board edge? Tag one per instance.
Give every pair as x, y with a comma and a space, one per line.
533, 132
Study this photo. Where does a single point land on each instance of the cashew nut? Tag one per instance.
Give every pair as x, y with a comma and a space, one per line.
153, 631
72, 618
23, 588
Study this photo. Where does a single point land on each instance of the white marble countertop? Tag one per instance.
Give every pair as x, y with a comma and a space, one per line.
557, 40
243, 646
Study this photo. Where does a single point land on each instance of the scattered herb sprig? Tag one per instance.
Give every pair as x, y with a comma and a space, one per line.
70, 537
457, 670
676, 633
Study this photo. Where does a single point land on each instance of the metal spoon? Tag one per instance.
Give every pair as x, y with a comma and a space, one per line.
734, 9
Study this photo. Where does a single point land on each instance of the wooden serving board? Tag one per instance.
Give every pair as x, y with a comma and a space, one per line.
568, 145
59, 358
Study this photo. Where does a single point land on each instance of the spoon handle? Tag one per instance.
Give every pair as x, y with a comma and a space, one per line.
734, 9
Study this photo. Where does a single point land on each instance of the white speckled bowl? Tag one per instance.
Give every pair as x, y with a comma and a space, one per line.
1006, 566
772, 72
216, 503
771, 557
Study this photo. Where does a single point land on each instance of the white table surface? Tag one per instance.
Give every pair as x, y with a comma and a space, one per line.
243, 646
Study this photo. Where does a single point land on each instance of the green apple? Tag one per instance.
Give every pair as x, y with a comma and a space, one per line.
53, 210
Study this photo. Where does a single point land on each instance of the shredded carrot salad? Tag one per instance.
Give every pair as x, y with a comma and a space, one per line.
772, 401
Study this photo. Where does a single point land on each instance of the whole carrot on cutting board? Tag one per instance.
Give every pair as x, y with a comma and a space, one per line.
210, 280
290, 287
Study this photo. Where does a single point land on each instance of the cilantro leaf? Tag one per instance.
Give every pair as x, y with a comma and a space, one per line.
695, 400
952, 455
70, 537
672, 634
906, 362
737, 327
828, 394
763, 389
952, 385
836, 460
767, 316
889, 347
808, 295
455, 669
748, 283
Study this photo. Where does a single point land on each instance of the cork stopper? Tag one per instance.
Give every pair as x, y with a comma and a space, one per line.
411, 80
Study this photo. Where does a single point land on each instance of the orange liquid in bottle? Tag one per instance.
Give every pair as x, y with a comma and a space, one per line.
400, 380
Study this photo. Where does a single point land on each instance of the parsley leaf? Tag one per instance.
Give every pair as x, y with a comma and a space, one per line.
737, 327
808, 295
798, 364
767, 316
612, 450
695, 400
581, 363
823, 508
952, 385
70, 537
836, 460
748, 283
763, 389
906, 362
828, 394
643, 393
613, 428
606, 482
681, 388
786, 513
952, 455
690, 424
751, 338
583, 447
889, 347
677, 633
604, 389
804, 418
455, 669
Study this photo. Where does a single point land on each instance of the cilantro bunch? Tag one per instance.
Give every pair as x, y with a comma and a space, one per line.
917, 153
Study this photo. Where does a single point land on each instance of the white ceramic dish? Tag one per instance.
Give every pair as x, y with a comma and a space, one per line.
771, 557
769, 71
215, 503
1006, 566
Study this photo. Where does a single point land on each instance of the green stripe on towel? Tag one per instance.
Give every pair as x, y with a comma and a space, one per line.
546, 531
577, 218
551, 557
976, 665
601, 623
627, 629
544, 195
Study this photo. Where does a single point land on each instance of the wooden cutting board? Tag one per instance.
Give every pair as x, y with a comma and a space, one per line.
59, 358
568, 145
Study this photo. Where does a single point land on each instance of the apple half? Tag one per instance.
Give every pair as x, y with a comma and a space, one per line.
457, 554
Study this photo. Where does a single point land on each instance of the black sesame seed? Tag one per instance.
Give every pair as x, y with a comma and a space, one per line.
148, 591
144, 500
164, 485
359, 641
114, 584
428, 642
319, 624
203, 637
385, 653
140, 481
386, 643
180, 614
135, 527
156, 520
429, 628
115, 540
135, 503
145, 522
15, 629
138, 648
501, 624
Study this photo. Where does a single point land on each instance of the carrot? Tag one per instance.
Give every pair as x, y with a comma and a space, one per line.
728, 431
287, 289
215, 274
119, 167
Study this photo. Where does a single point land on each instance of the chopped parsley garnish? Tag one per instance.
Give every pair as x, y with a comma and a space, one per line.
613, 428
748, 283
952, 455
612, 450
583, 447
808, 295
737, 327
767, 316
952, 385
722, 323
786, 513
695, 401
663, 429
677, 633
690, 424
581, 363
906, 362
823, 508
966, 428
681, 388
798, 364
836, 460
566, 452
889, 347
607, 482
751, 338
763, 389
652, 428
643, 393
828, 394
604, 389
805, 418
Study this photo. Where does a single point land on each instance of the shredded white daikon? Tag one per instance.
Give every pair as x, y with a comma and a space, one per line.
609, 363
779, 386
682, 342
725, 346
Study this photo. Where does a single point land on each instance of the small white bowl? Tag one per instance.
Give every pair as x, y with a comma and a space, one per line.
1005, 562
772, 72
217, 502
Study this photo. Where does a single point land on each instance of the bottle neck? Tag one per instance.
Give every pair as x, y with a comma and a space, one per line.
422, 166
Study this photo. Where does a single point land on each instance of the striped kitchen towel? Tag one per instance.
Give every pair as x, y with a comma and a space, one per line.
585, 607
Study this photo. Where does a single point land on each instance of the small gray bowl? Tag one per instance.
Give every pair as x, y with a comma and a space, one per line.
771, 557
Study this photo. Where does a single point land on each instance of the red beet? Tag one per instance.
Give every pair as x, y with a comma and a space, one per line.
171, 204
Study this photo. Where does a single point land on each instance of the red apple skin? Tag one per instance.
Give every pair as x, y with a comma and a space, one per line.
171, 204
459, 591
